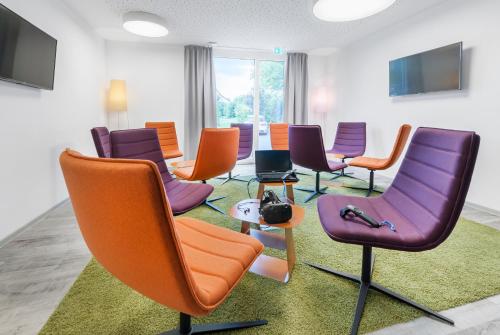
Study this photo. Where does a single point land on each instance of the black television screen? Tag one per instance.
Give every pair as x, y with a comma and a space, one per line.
431, 71
27, 54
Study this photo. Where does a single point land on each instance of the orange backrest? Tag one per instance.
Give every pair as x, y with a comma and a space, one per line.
217, 152
166, 134
399, 145
279, 136
127, 223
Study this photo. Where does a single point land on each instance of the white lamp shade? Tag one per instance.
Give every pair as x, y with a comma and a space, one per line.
322, 100
117, 96
348, 10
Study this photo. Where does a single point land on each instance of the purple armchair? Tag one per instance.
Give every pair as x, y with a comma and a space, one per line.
101, 141
245, 147
424, 202
307, 150
144, 144
350, 142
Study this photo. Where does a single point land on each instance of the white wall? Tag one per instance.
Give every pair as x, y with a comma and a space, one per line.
155, 83
363, 78
322, 95
37, 124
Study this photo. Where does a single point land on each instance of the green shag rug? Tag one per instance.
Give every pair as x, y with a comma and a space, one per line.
462, 270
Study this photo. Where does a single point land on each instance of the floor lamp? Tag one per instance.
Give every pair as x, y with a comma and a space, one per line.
117, 98
321, 104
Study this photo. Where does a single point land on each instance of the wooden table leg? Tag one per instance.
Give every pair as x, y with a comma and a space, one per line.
290, 250
245, 227
289, 193
260, 192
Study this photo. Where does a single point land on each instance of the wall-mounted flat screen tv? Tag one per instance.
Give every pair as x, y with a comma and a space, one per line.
431, 71
27, 54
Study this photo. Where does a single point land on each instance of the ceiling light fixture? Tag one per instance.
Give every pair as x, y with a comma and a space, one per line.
144, 24
348, 10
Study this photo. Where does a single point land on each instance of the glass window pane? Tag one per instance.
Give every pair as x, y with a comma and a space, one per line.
235, 90
271, 84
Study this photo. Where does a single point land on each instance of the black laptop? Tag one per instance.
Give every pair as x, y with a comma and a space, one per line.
274, 166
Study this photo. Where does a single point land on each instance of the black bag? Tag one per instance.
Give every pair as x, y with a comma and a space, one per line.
273, 210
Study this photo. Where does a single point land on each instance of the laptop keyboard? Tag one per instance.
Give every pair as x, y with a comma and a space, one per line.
271, 175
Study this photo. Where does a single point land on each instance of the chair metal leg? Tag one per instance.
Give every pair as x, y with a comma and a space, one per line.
366, 283
231, 177
208, 202
360, 307
344, 174
371, 185
392, 294
345, 275
317, 191
186, 328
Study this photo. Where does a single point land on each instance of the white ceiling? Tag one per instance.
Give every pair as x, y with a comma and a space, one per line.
254, 24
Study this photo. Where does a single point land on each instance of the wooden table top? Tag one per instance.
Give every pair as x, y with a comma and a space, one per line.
253, 216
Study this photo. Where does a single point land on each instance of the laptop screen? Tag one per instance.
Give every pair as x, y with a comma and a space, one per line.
272, 161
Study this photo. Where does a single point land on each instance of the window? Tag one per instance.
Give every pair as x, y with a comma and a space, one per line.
271, 84
250, 91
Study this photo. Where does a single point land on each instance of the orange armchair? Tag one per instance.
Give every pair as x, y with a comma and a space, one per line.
125, 218
168, 138
279, 136
217, 154
377, 164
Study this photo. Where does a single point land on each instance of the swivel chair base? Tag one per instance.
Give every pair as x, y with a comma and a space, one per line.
371, 186
366, 283
342, 173
317, 191
186, 328
208, 202
231, 177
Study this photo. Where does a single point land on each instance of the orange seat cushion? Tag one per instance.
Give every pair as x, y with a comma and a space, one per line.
217, 257
370, 163
183, 164
184, 172
168, 154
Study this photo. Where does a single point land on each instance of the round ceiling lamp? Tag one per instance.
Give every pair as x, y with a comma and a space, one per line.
144, 24
348, 10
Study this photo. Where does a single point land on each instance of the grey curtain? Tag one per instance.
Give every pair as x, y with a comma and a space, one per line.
296, 89
199, 104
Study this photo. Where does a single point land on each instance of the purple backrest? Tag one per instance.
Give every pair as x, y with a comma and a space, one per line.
140, 144
101, 141
350, 139
432, 183
307, 148
246, 139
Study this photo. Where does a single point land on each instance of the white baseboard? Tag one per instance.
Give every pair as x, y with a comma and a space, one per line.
483, 208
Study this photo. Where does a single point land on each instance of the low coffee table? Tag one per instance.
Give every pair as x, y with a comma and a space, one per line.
268, 266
